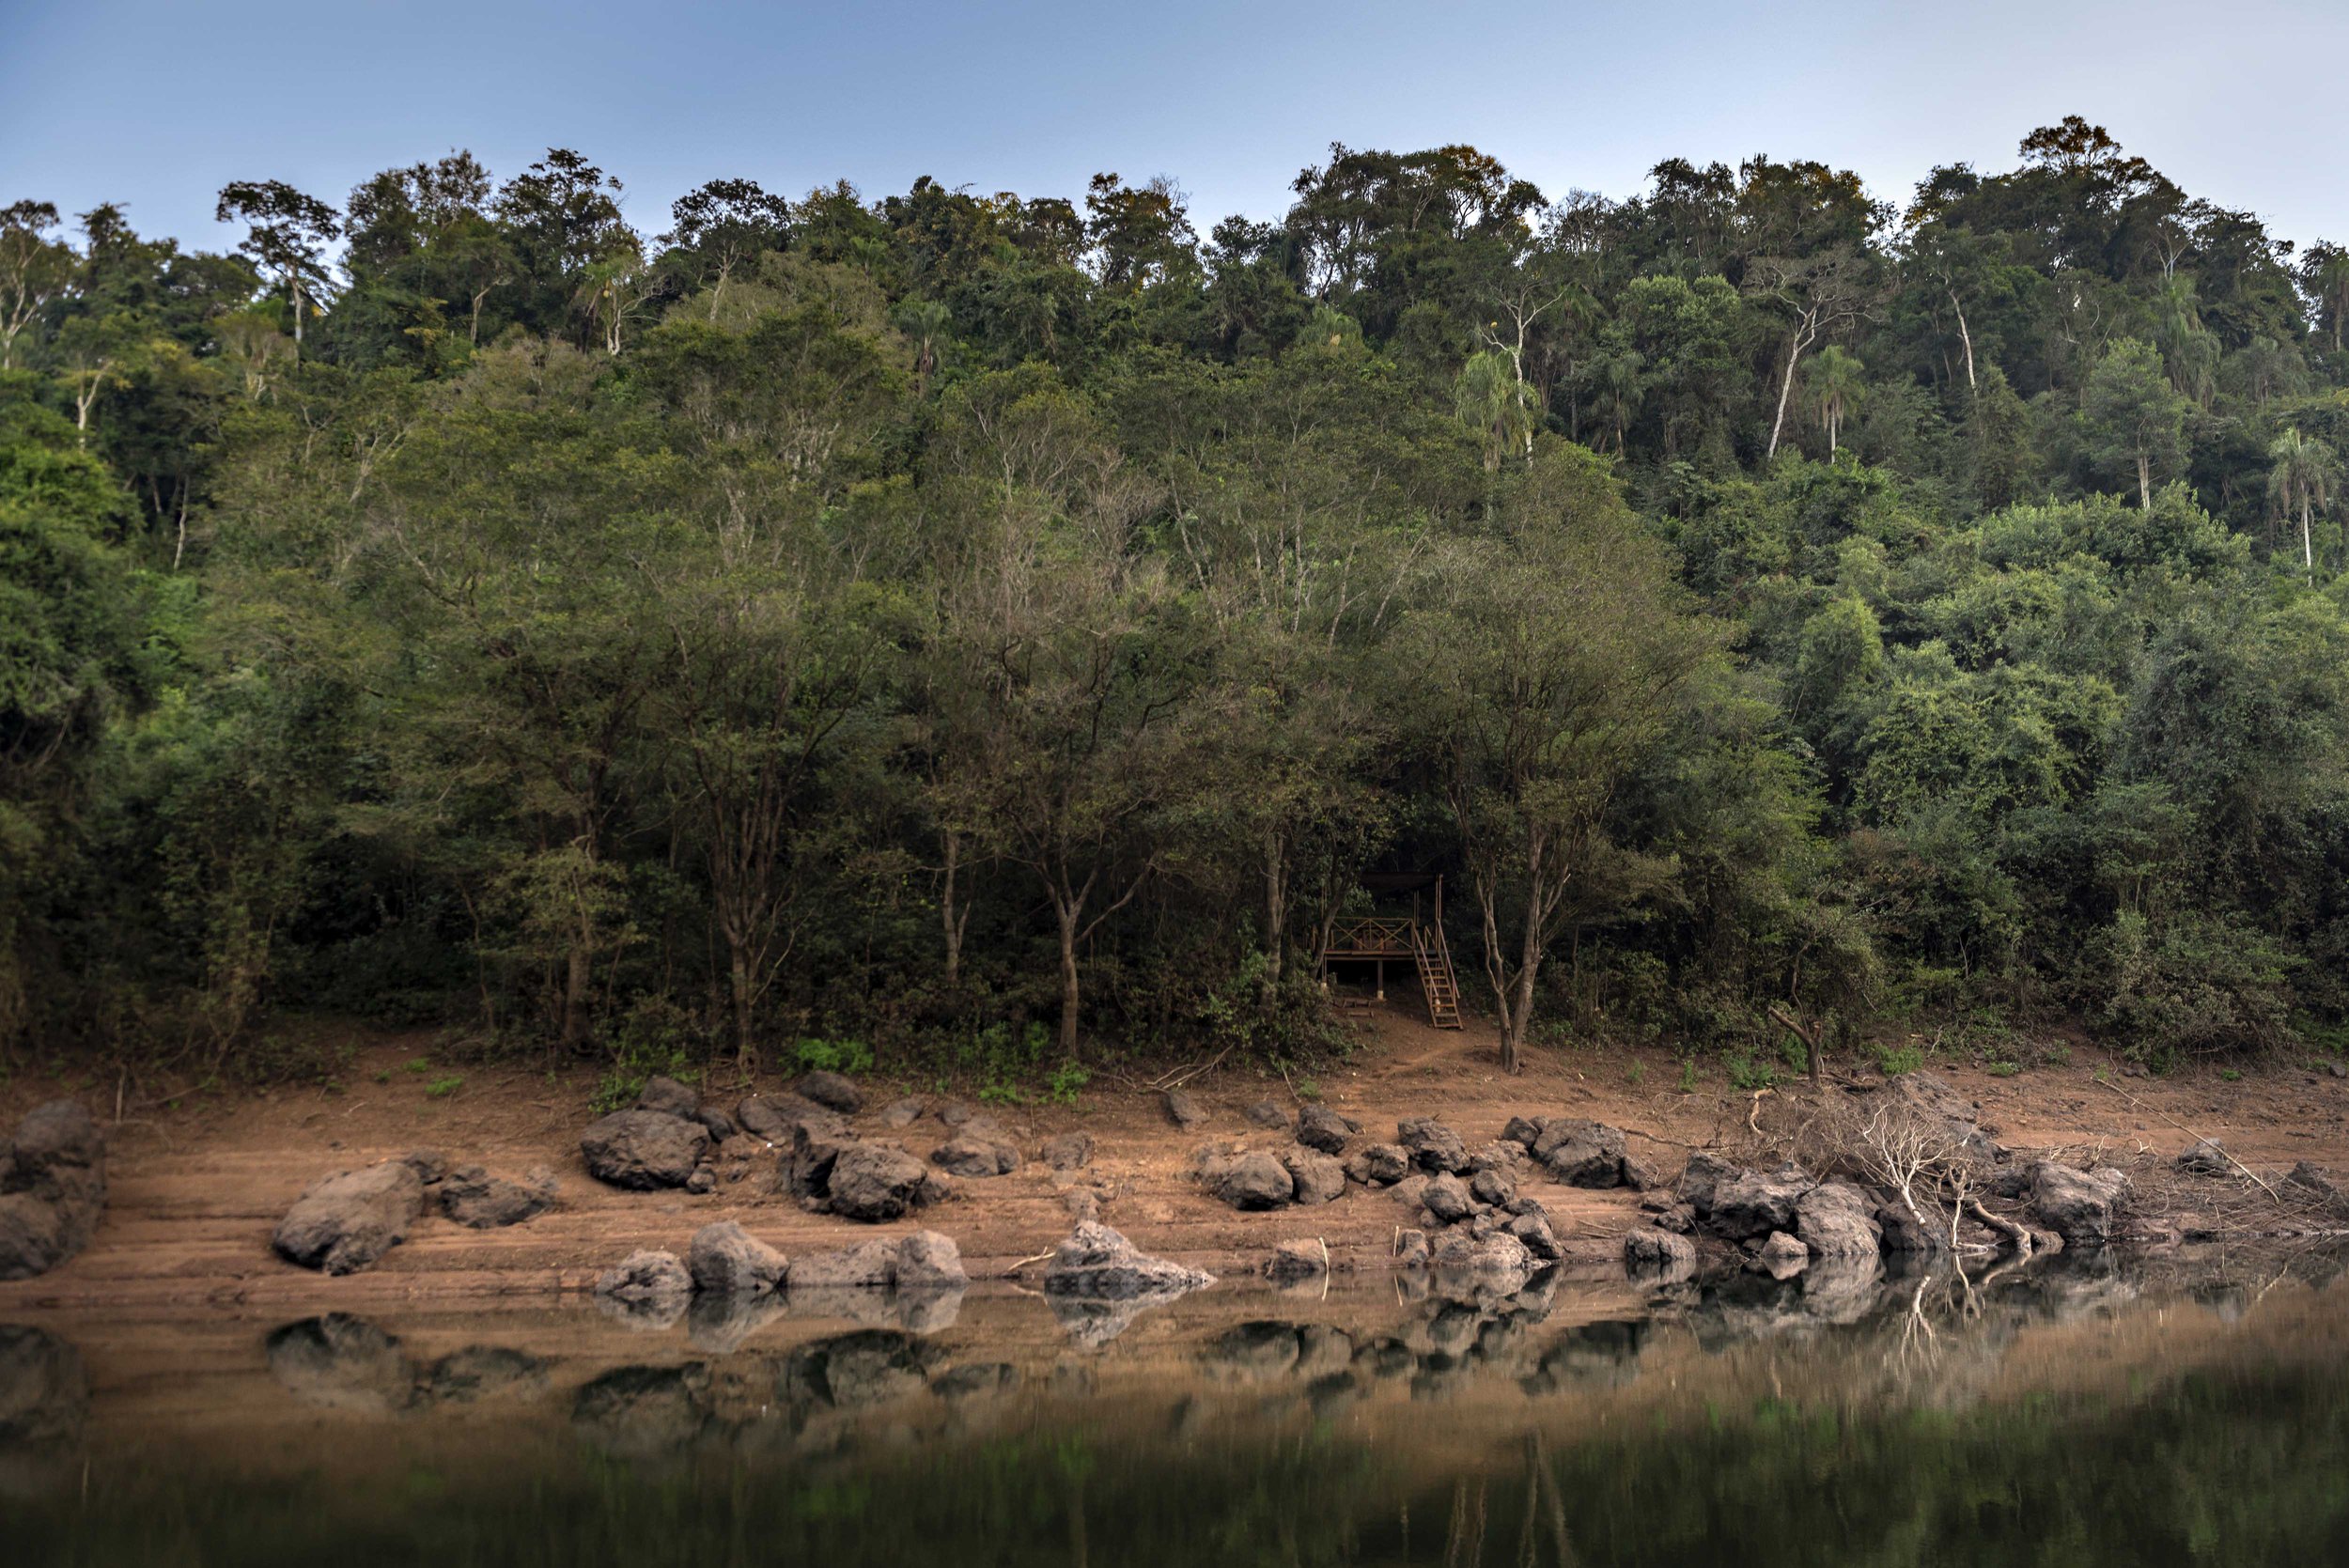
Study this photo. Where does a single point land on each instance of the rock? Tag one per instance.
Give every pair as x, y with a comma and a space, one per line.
1320, 1127
903, 1114
726, 1259
870, 1265
1648, 1251
343, 1222
1679, 1218
1448, 1199
716, 1123
2080, 1206
1782, 1257
1411, 1249
2312, 1182
52, 1188
1704, 1175
647, 1277
1900, 1231
1837, 1220
981, 1157
1581, 1153
1183, 1111
956, 1113
1533, 1232
833, 1091
1498, 1253
819, 1138
929, 1260
1524, 1131
1434, 1147
1268, 1114
1500, 1154
776, 1120
1292, 1261
1491, 1187
1378, 1164
430, 1165
471, 1196
1752, 1203
1317, 1177
2206, 1158
643, 1149
1097, 1261
1930, 1096
873, 1182
1254, 1181
1641, 1175
1070, 1150
1081, 1203
669, 1097
703, 1181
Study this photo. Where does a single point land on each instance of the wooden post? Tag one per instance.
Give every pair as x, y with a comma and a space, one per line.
1439, 899
1382, 975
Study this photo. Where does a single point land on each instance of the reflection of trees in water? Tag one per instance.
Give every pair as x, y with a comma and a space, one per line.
44, 1406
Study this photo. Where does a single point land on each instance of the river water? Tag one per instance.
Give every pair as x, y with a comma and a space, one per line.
2118, 1411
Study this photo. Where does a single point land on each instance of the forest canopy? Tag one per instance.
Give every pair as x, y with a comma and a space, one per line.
993, 631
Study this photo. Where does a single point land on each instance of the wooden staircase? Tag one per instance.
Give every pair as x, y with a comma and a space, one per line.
1436, 982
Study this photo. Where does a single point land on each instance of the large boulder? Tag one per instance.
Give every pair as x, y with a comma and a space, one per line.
1294, 1261
1097, 1261
1900, 1231
1534, 1231
1434, 1147
52, 1188
833, 1091
1183, 1110
343, 1222
775, 1120
646, 1279
1498, 1253
726, 1258
2081, 1206
669, 1097
873, 1182
871, 1266
1703, 1176
1754, 1203
1378, 1164
1320, 1127
472, 1197
1649, 1252
1838, 1220
1268, 1114
1447, 1199
644, 1149
1255, 1180
1317, 1177
929, 1260
1581, 1153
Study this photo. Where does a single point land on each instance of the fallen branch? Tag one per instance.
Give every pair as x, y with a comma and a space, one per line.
2017, 1233
2199, 1138
1025, 1262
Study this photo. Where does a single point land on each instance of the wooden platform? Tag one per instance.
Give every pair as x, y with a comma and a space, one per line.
1377, 938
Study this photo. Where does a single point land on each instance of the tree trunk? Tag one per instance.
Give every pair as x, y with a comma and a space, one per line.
575, 982
1070, 1001
1966, 337
1275, 911
1785, 389
948, 911
2144, 482
2308, 540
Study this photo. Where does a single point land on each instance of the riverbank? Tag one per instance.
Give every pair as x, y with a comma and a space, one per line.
196, 1189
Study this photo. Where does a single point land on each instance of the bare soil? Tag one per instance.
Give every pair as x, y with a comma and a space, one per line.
197, 1187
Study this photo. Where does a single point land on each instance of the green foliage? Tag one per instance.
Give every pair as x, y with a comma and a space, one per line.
1892, 1060
442, 1088
833, 1056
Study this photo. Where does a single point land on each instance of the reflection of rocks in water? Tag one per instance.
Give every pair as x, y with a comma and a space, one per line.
2228, 1302
1601, 1355
1093, 1321
644, 1412
719, 1322
855, 1370
482, 1371
340, 1362
975, 1381
1841, 1290
44, 1405
1253, 1350
917, 1312
647, 1316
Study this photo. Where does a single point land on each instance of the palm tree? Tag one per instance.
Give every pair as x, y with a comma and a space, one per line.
926, 321
1621, 386
1836, 387
1491, 400
2301, 480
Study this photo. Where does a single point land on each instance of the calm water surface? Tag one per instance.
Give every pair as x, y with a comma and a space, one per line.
2126, 1412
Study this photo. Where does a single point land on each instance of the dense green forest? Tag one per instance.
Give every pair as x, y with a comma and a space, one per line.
998, 631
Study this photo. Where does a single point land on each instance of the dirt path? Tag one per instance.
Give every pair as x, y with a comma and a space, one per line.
197, 1190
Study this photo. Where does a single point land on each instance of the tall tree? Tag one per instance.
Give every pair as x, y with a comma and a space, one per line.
286, 234
2301, 479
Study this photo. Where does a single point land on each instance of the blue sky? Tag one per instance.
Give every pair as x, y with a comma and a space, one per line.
158, 105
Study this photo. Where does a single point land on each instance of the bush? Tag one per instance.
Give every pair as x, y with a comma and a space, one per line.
833, 1056
655, 1038
2192, 985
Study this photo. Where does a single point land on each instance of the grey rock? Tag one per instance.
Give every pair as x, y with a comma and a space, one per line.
2206, 1158
975, 1155
669, 1097
1647, 1251
1754, 1203
833, 1091
1097, 1261
729, 1260
1292, 1261
703, 1181
1641, 1175
1316, 1177
472, 1197
1901, 1232
1837, 1220
646, 1277
1533, 1232
643, 1149
1448, 1199
1493, 1188
1255, 1180
1411, 1249
430, 1165
716, 1123
1703, 1176
1183, 1111
343, 1222
1581, 1153
1070, 1150
52, 1188
1378, 1164
1498, 1253
956, 1113
1320, 1127
1268, 1114
2081, 1206
1434, 1147
873, 1182
870, 1265
1782, 1257
903, 1114
776, 1120
930, 1261
1525, 1131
